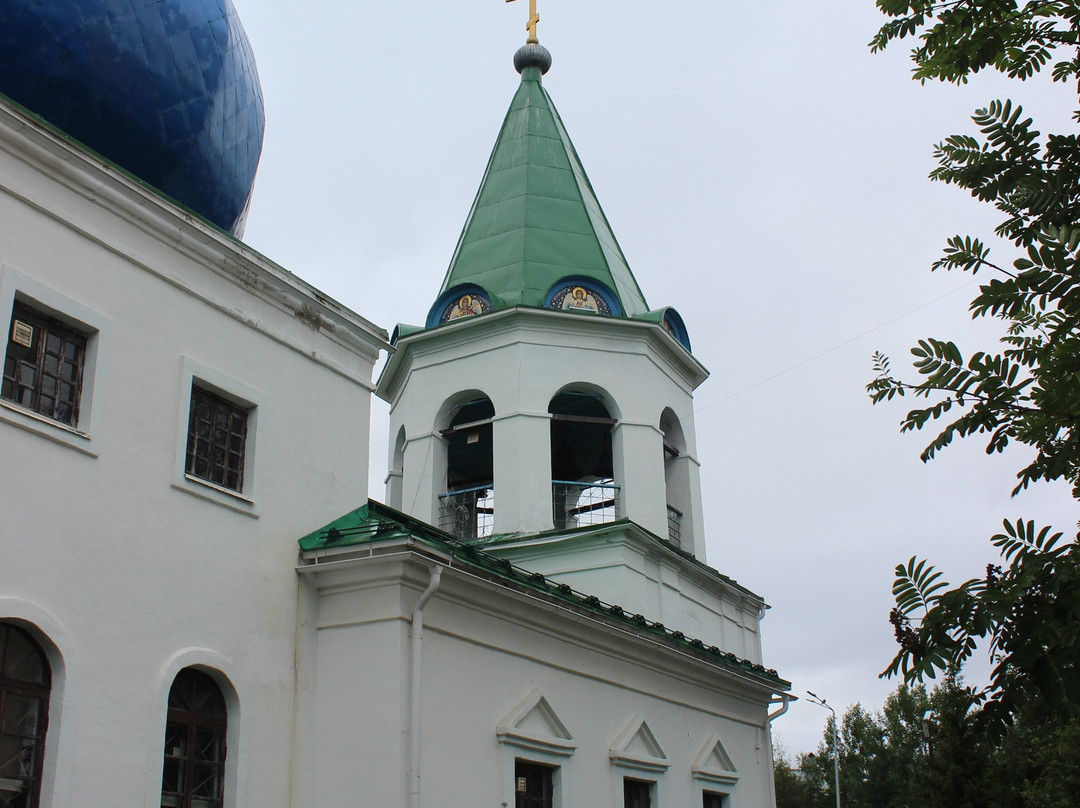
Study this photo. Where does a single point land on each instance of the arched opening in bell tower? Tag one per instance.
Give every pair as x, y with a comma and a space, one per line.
583, 485
396, 474
467, 509
676, 474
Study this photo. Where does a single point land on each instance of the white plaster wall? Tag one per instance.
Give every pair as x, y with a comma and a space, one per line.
128, 574
484, 651
643, 578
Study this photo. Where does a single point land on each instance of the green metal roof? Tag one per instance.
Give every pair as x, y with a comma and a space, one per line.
536, 219
375, 522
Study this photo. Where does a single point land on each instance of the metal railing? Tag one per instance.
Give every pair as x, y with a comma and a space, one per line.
576, 504
468, 514
674, 526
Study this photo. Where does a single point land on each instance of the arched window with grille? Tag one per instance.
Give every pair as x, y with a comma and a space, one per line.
583, 485
395, 476
193, 775
25, 684
467, 509
676, 477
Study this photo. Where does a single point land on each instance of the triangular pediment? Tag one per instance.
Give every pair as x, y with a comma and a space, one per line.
637, 747
534, 724
714, 764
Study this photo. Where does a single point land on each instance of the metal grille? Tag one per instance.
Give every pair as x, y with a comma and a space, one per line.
217, 435
580, 504
43, 366
468, 514
25, 682
710, 800
636, 793
533, 785
674, 526
194, 769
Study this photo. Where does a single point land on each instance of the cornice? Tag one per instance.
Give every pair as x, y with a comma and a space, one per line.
461, 333
94, 179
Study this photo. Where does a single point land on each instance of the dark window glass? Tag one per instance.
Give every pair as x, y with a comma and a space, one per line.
25, 683
710, 800
193, 775
217, 436
43, 365
636, 793
533, 785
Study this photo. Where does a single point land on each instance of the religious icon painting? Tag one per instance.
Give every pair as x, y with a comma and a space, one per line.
673, 324
580, 298
467, 304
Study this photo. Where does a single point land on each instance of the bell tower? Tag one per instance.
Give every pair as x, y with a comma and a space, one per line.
543, 396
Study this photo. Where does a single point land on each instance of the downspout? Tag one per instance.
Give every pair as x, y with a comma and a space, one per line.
786, 699
414, 685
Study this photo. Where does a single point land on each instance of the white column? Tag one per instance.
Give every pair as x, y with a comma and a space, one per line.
639, 469
424, 477
522, 472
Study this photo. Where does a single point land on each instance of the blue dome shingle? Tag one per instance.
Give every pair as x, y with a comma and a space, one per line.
166, 89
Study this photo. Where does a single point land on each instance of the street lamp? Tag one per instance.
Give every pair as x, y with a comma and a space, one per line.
816, 699
927, 731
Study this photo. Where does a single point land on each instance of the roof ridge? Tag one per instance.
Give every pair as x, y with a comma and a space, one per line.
577, 163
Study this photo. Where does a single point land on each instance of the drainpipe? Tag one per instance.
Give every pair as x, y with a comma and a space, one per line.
786, 699
414, 685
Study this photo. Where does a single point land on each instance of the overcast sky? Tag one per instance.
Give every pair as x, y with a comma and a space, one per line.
766, 176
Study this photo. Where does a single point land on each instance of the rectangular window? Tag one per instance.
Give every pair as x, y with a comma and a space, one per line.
43, 365
534, 785
711, 800
216, 440
636, 793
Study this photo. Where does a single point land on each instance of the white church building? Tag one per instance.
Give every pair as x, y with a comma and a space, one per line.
201, 608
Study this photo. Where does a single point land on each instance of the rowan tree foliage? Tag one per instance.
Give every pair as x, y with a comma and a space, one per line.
1024, 390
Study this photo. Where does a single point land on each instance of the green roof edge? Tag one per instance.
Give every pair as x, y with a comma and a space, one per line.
374, 522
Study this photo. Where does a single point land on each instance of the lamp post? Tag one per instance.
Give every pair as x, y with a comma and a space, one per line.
816, 699
927, 731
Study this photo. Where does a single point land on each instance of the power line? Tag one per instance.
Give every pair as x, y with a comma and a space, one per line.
836, 347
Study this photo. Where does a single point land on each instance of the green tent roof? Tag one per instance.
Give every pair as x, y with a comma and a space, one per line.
536, 219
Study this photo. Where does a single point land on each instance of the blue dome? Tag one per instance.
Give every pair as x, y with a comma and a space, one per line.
166, 89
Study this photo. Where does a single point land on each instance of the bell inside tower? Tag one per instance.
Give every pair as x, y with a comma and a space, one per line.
582, 474
467, 509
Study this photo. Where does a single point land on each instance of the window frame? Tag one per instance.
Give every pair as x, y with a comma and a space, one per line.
199, 449
37, 690
649, 787
192, 721
84, 436
196, 374
551, 774
553, 748
722, 798
44, 330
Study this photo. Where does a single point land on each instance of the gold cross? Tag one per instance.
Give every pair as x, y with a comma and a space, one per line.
530, 26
